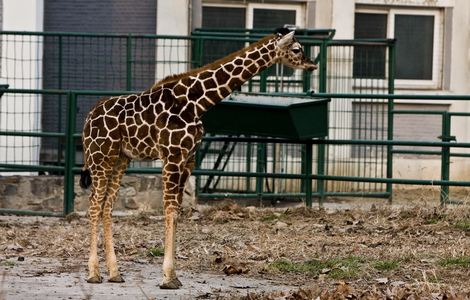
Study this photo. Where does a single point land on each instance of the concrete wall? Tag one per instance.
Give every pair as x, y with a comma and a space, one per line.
25, 15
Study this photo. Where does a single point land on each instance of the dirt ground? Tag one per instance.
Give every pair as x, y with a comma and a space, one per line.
413, 249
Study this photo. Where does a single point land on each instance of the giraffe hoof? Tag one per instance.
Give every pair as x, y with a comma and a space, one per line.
95, 279
118, 278
171, 284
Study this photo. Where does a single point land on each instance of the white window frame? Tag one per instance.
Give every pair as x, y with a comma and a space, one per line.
434, 82
299, 12
438, 53
249, 18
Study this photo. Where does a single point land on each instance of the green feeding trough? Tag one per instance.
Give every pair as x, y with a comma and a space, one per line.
299, 118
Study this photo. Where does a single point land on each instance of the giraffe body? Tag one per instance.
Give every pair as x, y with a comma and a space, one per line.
164, 123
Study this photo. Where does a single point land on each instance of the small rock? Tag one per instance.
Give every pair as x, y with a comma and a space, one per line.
398, 283
20, 258
251, 209
195, 216
383, 280
231, 269
280, 225
130, 203
14, 247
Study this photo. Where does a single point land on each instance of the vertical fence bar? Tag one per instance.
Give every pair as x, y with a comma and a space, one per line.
129, 62
200, 50
70, 153
260, 167
390, 116
322, 86
306, 76
197, 44
308, 171
248, 159
60, 68
263, 83
59, 86
445, 157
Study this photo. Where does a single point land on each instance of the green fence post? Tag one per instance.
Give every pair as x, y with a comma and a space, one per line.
390, 115
59, 106
308, 172
200, 51
70, 153
261, 147
129, 62
260, 167
263, 81
248, 159
196, 50
445, 157
321, 161
306, 76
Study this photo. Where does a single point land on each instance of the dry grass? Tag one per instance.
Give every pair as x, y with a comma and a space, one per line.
404, 253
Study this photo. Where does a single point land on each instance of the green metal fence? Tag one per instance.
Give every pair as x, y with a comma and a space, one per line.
55, 78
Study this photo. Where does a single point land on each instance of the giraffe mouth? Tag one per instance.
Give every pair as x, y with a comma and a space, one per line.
311, 67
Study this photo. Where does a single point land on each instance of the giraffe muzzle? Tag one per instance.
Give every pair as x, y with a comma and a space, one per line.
311, 67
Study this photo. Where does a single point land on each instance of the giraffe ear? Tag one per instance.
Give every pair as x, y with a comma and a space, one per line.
286, 40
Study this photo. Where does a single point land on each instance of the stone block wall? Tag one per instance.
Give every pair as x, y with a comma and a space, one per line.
46, 193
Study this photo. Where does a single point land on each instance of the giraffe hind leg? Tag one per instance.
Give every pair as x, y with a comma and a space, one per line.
111, 195
100, 174
94, 211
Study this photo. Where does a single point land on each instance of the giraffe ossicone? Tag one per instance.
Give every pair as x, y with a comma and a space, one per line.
164, 123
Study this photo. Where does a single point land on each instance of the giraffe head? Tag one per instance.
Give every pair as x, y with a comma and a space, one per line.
290, 53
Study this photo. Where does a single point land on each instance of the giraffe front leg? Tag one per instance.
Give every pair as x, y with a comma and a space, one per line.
172, 172
170, 280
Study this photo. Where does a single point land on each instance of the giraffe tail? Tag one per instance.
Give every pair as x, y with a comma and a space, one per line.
85, 178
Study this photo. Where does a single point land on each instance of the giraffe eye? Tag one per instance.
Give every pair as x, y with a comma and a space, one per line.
296, 50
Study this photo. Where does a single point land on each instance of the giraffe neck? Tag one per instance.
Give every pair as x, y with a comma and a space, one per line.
211, 84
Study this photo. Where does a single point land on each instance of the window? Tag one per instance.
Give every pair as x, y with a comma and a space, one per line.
252, 16
223, 17
415, 35
419, 38
220, 18
369, 61
369, 122
272, 18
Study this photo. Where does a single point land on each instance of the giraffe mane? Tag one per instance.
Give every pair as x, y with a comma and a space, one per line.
218, 62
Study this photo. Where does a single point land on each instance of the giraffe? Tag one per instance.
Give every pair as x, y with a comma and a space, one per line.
164, 123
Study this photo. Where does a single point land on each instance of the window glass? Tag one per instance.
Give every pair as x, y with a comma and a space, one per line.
415, 40
272, 18
369, 61
221, 17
